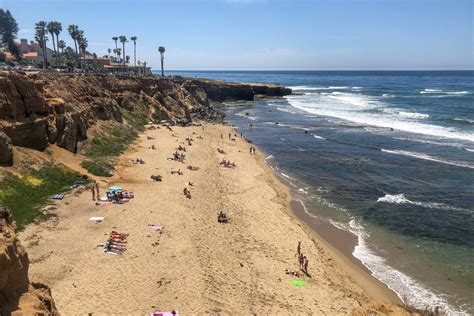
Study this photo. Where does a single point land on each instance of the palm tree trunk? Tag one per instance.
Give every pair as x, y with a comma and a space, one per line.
162, 70
54, 47
135, 56
45, 58
58, 57
75, 45
123, 53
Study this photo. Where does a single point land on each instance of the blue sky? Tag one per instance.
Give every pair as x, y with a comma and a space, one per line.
270, 34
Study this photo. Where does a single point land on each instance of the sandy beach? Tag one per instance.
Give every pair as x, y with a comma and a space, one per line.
196, 265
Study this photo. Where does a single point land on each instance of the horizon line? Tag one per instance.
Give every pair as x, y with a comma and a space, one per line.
314, 70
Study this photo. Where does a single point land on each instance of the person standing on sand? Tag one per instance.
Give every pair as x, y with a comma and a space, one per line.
222, 136
301, 260
298, 249
230, 135
97, 189
306, 265
250, 149
93, 193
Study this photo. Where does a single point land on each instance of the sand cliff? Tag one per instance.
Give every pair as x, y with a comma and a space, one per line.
38, 109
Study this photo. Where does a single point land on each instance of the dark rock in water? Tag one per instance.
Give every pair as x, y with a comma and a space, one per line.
247, 113
6, 150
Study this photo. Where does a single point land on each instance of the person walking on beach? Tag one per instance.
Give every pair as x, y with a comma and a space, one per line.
230, 135
222, 136
301, 260
250, 149
97, 190
298, 249
93, 193
306, 265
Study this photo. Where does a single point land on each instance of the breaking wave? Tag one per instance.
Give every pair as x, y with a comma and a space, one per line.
401, 199
423, 156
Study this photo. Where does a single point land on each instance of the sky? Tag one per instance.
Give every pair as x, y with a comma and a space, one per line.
269, 34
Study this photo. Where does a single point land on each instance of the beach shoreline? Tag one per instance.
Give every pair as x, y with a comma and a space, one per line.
197, 265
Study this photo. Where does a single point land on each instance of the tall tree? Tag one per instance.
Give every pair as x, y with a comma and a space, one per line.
83, 43
8, 32
73, 31
57, 30
41, 37
62, 45
119, 53
109, 51
134, 39
115, 39
162, 50
123, 40
51, 27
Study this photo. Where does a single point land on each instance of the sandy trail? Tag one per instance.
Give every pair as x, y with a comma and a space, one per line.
197, 265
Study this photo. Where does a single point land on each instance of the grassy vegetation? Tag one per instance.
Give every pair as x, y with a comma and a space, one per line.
24, 196
103, 151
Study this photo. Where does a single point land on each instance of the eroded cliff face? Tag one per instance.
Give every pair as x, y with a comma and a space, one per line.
17, 295
37, 109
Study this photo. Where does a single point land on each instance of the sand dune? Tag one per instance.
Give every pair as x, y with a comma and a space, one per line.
197, 265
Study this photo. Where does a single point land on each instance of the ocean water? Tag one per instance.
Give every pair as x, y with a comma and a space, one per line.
390, 156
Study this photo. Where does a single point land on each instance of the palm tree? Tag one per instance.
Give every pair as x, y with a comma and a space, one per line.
109, 51
127, 58
83, 43
62, 45
119, 53
41, 37
123, 40
58, 29
115, 39
51, 26
134, 39
74, 31
162, 50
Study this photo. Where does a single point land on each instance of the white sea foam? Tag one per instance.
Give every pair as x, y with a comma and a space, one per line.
423, 156
439, 91
269, 157
357, 108
431, 142
387, 95
400, 283
464, 120
318, 137
303, 190
312, 88
401, 199
414, 115
469, 149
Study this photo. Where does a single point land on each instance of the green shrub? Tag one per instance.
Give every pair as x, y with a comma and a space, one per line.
24, 196
102, 151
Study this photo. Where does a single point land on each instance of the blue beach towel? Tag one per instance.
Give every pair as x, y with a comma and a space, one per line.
58, 196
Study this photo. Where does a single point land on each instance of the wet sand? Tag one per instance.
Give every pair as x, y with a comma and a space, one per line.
197, 265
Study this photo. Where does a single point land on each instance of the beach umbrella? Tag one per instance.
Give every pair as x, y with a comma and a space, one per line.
115, 188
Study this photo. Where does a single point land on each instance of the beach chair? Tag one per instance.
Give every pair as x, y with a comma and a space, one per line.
58, 196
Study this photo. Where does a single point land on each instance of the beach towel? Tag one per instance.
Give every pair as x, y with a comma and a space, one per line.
298, 283
155, 228
176, 313
58, 196
115, 188
96, 218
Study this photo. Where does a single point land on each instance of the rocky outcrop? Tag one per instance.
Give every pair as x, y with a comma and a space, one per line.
221, 91
17, 295
38, 109
6, 150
